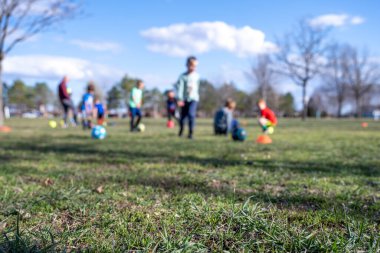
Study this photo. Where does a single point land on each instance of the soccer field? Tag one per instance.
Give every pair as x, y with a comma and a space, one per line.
315, 189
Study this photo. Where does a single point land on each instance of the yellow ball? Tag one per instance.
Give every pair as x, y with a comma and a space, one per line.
53, 123
141, 128
270, 130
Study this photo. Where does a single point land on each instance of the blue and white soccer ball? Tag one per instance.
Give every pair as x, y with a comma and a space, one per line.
98, 132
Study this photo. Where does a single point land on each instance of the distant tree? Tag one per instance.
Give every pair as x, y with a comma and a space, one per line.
287, 105
22, 96
335, 75
264, 75
153, 100
301, 54
362, 76
245, 103
5, 94
114, 98
209, 98
225, 91
43, 95
22, 19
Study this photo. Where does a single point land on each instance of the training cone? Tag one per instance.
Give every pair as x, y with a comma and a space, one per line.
264, 139
170, 124
364, 125
5, 129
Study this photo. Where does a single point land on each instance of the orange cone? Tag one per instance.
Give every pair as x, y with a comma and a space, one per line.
364, 125
5, 129
170, 124
264, 139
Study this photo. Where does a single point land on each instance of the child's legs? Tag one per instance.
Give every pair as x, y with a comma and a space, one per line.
132, 114
184, 115
170, 114
100, 118
66, 107
84, 119
139, 116
192, 115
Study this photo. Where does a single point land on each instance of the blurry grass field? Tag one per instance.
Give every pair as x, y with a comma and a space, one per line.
315, 189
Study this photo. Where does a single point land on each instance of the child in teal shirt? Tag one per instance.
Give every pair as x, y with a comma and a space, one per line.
135, 103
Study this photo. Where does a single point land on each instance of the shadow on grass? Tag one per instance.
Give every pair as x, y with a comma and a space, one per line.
300, 201
36, 150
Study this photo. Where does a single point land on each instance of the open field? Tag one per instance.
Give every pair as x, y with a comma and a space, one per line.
316, 189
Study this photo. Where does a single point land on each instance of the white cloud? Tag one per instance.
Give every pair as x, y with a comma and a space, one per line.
47, 66
335, 20
357, 20
196, 38
101, 46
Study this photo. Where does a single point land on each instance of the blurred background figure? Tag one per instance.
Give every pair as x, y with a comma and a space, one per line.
87, 107
171, 108
135, 103
64, 94
267, 119
188, 95
100, 111
223, 120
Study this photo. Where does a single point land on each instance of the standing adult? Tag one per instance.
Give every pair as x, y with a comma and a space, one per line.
188, 95
66, 101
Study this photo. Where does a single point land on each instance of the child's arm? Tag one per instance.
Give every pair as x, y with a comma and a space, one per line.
180, 91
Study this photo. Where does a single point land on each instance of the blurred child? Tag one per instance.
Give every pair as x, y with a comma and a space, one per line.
87, 107
268, 119
188, 95
100, 111
224, 119
135, 103
171, 105
64, 94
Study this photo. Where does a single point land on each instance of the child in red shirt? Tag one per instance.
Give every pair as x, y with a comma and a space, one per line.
268, 119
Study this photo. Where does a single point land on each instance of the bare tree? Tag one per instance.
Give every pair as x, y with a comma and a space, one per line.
22, 19
335, 75
362, 75
301, 56
264, 75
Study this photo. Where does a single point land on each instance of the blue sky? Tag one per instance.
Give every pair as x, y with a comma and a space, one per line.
150, 38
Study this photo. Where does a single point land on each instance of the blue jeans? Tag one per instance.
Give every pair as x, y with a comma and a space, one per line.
135, 112
189, 111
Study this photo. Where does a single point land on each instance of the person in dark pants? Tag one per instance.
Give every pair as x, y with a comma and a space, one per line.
66, 101
188, 96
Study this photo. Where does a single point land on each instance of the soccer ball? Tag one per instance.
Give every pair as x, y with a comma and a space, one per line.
53, 123
239, 134
98, 132
141, 127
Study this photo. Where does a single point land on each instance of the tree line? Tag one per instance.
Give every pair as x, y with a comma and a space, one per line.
211, 98
23, 98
